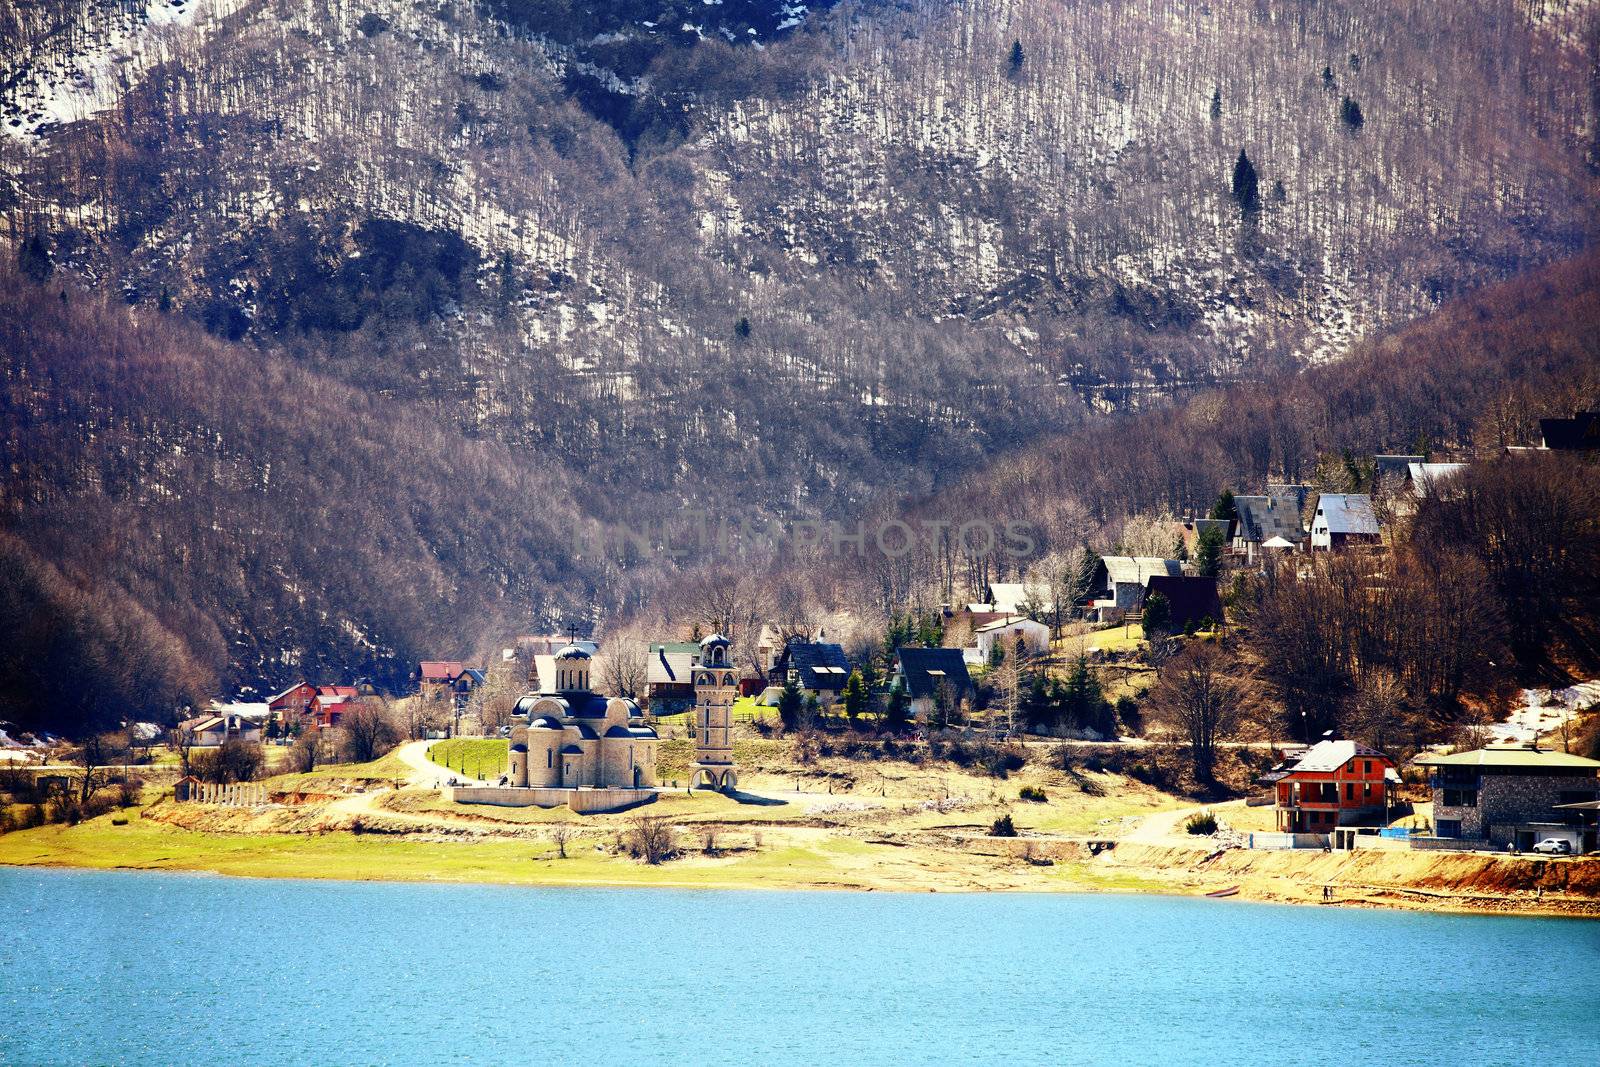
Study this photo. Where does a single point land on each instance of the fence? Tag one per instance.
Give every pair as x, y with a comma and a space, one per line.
240, 795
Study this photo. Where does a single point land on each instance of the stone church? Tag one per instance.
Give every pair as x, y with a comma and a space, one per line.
575, 738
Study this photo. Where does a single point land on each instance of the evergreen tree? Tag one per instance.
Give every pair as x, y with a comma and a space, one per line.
1083, 578
1180, 549
1245, 184
164, 301
898, 711
742, 327
33, 260
1016, 56
1216, 103
1223, 508
855, 696
1208, 557
1327, 77
1157, 614
997, 653
789, 704
1350, 114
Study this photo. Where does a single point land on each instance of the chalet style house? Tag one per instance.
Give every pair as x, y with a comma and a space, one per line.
820, 670
1332, 784
1343, 520
931, 675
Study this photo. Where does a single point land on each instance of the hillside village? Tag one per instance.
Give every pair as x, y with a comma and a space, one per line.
1127, 719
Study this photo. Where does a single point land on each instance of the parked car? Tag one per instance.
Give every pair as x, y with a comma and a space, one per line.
1554, 846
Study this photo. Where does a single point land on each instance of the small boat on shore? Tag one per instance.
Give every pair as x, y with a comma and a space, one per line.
1231, 891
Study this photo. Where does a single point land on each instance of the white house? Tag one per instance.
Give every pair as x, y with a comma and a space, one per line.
1342, 520
1035, 637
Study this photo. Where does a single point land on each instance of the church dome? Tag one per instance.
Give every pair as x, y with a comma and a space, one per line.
572, 652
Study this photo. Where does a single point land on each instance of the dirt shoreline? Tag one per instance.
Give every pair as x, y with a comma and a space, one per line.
1472, 884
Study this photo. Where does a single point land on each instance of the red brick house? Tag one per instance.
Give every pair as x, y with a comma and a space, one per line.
294, 703
1333, 783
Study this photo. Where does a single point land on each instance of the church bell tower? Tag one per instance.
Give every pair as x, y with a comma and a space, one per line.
715, 685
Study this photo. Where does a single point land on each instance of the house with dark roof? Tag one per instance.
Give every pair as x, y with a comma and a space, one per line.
1191, 600
1343, 520
1263, 518
929, 675
1333, 783
669, 677
819, 669
1514, 795
1119, 583
1581, 433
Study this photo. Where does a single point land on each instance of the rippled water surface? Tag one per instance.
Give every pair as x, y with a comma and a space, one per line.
125, 967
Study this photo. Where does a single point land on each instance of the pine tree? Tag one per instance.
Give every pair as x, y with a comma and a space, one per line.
1216, 103
898, 711
1016, 56
855, 696
1208, 558
789, 704
1245, 184
1350, 113
1223, 508
1157, 614
33, 260
742, 327
1327, 77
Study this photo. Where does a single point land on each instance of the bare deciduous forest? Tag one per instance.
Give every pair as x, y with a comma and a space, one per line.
331, 321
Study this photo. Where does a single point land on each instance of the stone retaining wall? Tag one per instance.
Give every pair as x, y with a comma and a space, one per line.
581, 801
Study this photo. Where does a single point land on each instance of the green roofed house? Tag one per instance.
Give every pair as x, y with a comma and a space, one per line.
1514, 796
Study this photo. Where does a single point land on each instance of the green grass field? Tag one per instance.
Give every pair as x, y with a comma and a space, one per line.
329, 775
481, 757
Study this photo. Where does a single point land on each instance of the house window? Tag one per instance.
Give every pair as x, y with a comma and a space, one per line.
1366, 768
1449, 827
1349, 790
1460, 798
549, 759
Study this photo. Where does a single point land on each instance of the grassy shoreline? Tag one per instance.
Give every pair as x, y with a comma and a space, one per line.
822, 863
829, 863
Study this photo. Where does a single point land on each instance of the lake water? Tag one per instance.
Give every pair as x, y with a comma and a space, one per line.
99, 967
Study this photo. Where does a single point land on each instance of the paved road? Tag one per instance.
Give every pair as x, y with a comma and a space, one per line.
425, 773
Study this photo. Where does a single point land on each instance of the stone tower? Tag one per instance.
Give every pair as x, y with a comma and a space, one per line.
715, 685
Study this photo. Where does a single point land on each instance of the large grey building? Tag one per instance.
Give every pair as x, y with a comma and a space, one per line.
1505, 795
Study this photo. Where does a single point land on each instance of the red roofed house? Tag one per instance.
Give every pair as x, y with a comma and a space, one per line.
1333, 783
330, 704
437, 677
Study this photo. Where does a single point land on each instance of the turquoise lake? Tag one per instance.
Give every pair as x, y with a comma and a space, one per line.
122, 967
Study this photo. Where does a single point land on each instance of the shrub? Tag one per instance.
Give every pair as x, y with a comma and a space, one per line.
1202, 825
652, 840
1003, 827
128, 792
1129, 715
1033, 793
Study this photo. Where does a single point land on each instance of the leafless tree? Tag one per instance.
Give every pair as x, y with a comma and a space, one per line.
366, 731
1196, 698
